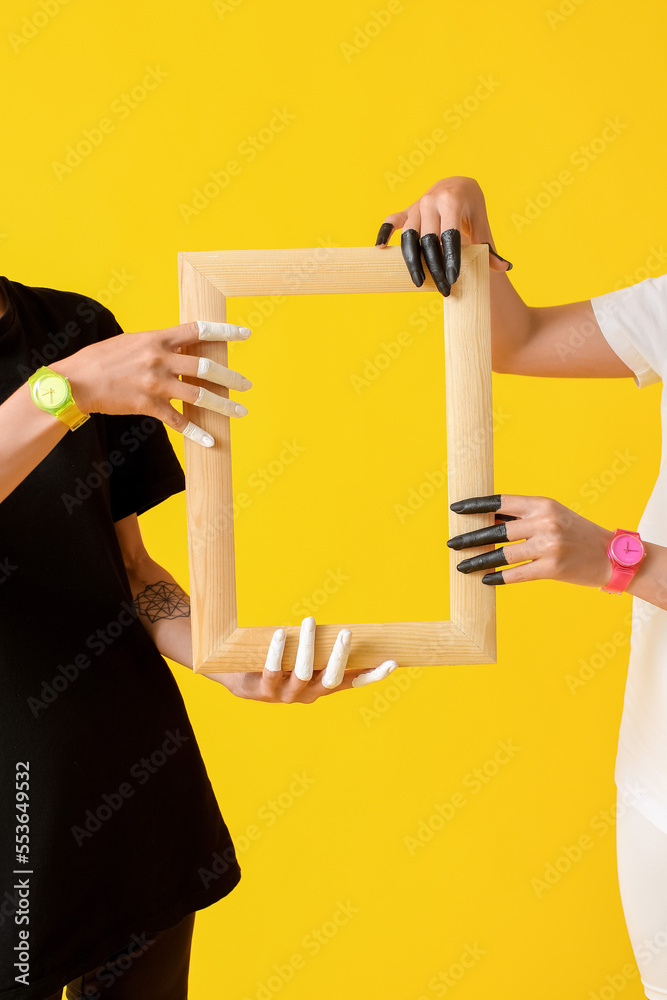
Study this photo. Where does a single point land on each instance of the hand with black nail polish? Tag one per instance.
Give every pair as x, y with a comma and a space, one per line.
549, 540
450, 215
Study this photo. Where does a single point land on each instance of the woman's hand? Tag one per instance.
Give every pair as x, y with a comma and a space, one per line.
452, 212
139, 373
302, 684
559, 544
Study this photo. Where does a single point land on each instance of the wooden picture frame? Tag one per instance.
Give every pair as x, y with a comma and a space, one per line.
206, 280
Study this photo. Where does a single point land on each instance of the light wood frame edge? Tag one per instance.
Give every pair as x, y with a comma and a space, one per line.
205, 281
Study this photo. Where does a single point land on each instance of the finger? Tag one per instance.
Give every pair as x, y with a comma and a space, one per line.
211, 400
498, 257
411, 250
272, 672
189, 333
335, 668
205, 368
506, 554
482, 536
305, 654
391, 223
435, 262
520, 504
451, 250
221, 331
377, 674
384, 234
516, 574
196, 433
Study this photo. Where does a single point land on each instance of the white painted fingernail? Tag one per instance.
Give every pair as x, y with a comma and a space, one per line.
377, 674
275, 653
335, 669
221, 331
197, 434
246, 383
240, 410
303, 667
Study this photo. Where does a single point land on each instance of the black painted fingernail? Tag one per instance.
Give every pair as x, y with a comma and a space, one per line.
464, 566
477, 505
493, 578
491, 250
384, 234
455, 542
451, 274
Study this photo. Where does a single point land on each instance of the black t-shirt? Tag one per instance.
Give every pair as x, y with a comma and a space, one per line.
124, 832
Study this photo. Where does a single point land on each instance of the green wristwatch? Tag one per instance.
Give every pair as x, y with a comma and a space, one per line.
51, 391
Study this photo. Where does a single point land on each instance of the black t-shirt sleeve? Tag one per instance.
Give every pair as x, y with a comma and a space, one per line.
144, 469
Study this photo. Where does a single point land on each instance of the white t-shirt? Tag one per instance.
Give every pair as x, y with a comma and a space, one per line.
633, 320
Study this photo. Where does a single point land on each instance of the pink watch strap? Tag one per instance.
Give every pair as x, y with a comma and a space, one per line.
621, 576
620, 579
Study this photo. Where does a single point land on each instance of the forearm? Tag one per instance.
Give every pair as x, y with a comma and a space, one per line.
28, 433
650, 581
512, 321
164, 610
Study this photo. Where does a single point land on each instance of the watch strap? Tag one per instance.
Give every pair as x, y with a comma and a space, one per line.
621, 576
72, 416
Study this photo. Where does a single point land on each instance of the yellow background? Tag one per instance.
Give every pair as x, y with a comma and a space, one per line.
379, 759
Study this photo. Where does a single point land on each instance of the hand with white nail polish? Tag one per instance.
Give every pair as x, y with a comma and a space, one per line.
302, 685
139, 373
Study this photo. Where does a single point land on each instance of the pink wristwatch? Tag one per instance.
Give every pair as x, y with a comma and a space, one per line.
626, 551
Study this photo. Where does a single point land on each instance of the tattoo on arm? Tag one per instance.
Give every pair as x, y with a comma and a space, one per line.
163, 600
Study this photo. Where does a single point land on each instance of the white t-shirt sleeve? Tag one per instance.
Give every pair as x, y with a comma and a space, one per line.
633, 321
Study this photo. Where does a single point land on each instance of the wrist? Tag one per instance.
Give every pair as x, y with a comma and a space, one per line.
79, 385
626, 552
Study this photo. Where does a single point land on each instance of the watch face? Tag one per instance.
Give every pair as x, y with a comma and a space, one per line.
627, 550
51, 391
